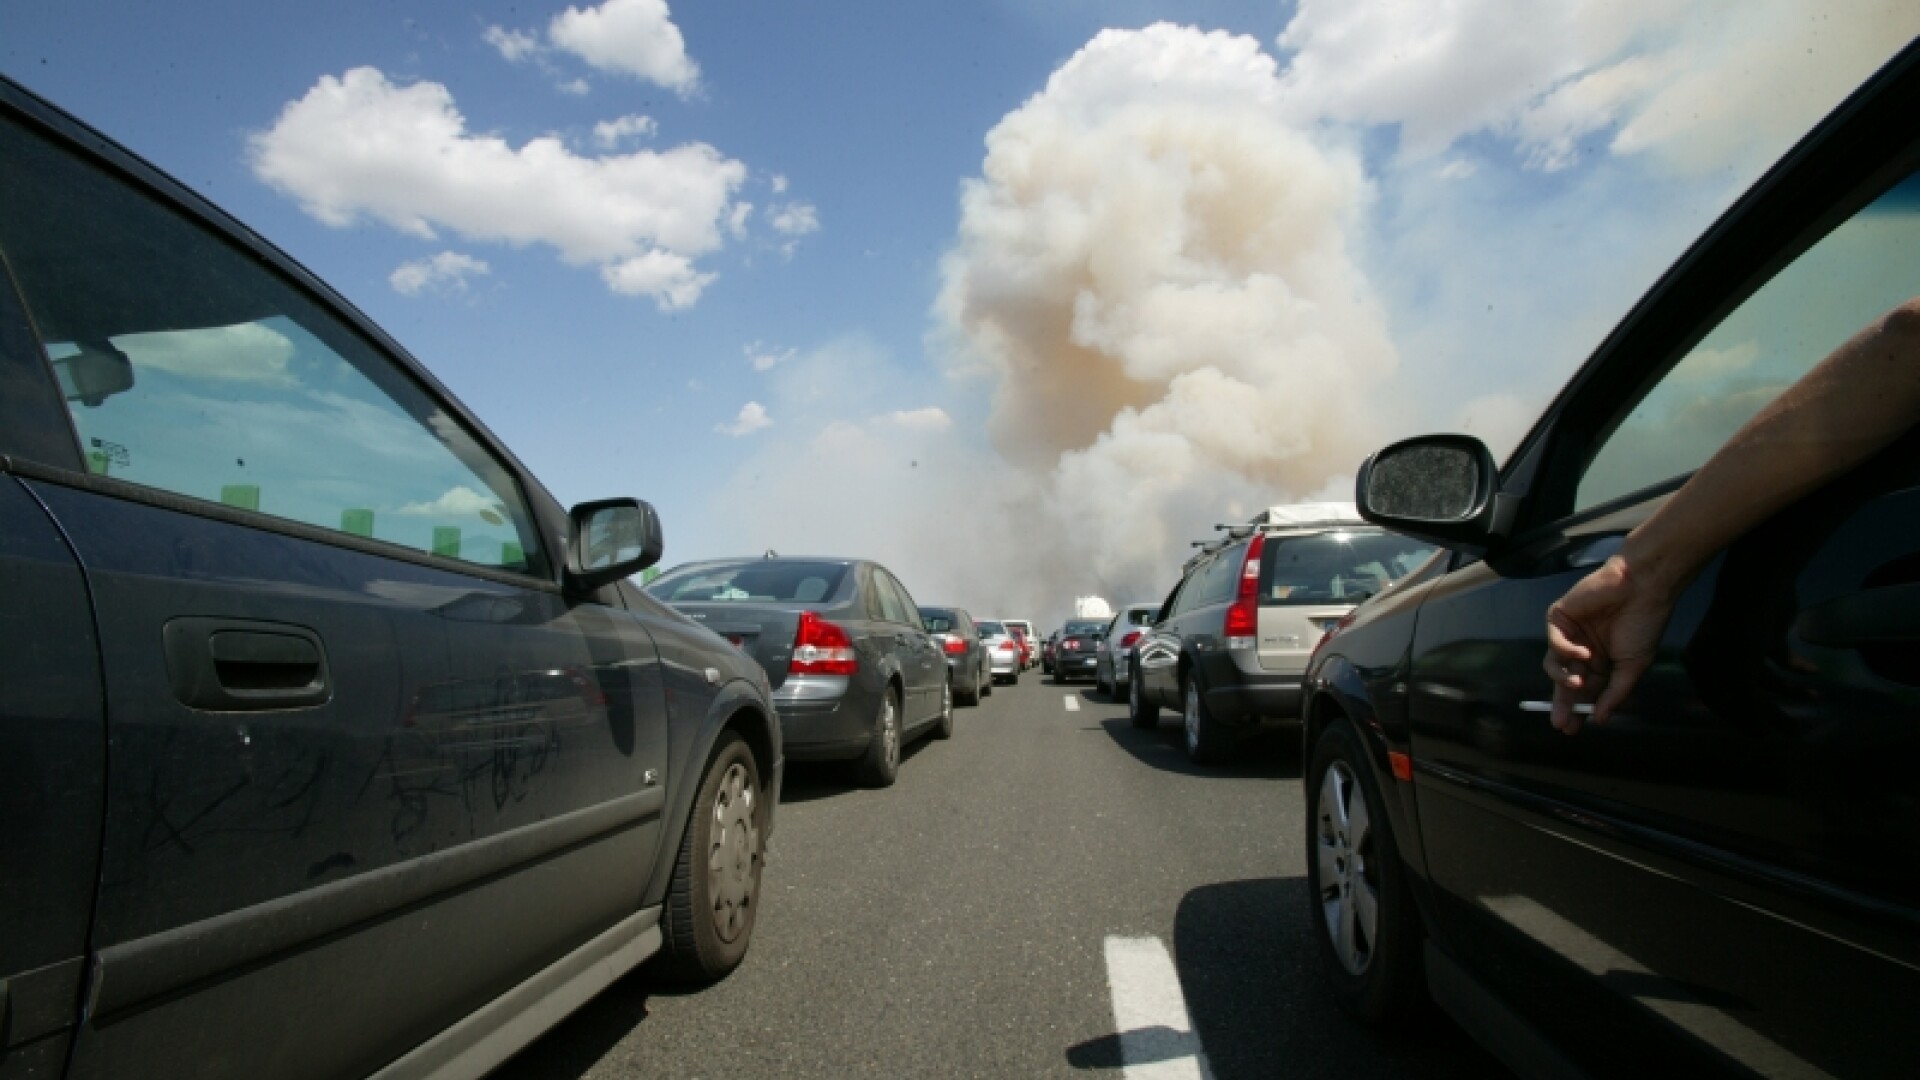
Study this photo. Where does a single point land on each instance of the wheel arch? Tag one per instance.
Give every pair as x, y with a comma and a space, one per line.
741, 707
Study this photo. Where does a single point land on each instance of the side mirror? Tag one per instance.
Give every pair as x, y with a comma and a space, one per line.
611, 539
1439, 488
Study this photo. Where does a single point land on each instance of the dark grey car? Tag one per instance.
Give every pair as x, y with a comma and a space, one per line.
959, 639
329, 744
855, 674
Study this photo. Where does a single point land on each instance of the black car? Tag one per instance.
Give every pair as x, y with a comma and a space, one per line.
855, 674
1077, 650
330, 744
968, 669
1719, 881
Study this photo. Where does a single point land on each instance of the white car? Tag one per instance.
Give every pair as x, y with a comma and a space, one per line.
1003, 652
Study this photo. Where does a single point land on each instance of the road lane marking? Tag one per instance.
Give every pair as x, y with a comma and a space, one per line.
1157, 1040
1072, 702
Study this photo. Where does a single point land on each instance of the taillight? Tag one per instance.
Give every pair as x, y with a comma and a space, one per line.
954, 646
821, 648
1069, 645
1243, 615
1132, 636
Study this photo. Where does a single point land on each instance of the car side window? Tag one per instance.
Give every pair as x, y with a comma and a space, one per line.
1864, 267
911, 609
1188, 594
892, 609
190, 367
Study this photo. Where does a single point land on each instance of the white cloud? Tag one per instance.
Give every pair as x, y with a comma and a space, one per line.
752, 417
794, 219
737, 220
1693, 82
611, 133
458, 501
247, 352
766, 358
576, 87
515, 45
931, 418
629, 37
358, 146
668, 278
447, 271
779, 184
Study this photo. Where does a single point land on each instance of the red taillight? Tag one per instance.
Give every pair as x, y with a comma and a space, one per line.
954, 646
821, 648
1243, 615
1070, 645
1007, 646
1132, 636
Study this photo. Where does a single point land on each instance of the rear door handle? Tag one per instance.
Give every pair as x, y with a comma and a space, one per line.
240, 665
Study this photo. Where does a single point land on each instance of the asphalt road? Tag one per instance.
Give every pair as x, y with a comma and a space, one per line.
960, 923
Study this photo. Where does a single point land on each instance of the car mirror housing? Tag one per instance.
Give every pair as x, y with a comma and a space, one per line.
611, 539
1440, 488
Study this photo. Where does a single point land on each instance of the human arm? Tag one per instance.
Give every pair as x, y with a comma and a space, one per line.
1601, 636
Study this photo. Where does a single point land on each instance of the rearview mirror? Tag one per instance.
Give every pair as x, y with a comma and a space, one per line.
611, 539
93, 374
1435, 487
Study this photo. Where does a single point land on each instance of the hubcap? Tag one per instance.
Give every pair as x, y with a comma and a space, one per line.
1349, 883
946, 702
735, 850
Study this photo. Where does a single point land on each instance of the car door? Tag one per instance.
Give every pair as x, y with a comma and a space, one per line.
369, 767
1716, 881
1157, 654
921, 666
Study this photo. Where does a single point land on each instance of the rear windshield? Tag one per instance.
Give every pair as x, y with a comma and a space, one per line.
766, 581
1141, 616
1342, 567
1088, 626
936, 620
991, 629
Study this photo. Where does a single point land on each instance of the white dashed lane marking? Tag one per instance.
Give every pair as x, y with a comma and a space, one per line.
1072, 702
1157, 1040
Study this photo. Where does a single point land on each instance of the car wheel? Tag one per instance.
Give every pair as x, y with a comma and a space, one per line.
715, 891
881, 765
1206, 743
986, 686
969, 696
1369, 930
944, 730
1143, 713
1100, 684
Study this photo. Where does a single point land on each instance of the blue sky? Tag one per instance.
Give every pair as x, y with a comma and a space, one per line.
1499, 180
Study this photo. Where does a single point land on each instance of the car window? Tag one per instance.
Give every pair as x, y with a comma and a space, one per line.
992, 629
750, 582
1345, 566
1864, 267
909, 609
937, 621
893, 606
189, 368
1220, 576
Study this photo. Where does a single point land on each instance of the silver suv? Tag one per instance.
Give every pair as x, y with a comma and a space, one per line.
1234, 636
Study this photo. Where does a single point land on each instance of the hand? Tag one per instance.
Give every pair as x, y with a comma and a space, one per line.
1601, 638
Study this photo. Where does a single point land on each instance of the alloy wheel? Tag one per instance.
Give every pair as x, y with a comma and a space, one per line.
1192, 717
1349, 883
731, 858
946, 702
889, 731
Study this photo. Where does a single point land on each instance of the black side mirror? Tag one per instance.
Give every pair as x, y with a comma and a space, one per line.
1440, 488
611, 539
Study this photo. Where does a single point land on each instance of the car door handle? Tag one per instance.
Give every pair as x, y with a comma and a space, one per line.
235, 665
1867, 617
1583, 708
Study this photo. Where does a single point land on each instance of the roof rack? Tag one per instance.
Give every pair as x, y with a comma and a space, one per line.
1309, 514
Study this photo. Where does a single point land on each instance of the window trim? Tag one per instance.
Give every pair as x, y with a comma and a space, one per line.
163, 499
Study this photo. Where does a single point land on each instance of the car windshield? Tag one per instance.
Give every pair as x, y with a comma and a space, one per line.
1086, 626
936, 621
991, 629
1340, 567
751, 582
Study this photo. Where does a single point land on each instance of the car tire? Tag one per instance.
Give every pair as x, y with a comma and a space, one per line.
1207, 744
1376, 974
714, 895
986, 686
880, 765
944, 728
969, 696
1143, 713
1100, 685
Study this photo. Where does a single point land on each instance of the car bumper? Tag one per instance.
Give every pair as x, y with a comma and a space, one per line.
1004, 663
823, 717
1249, 699
1072, 665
